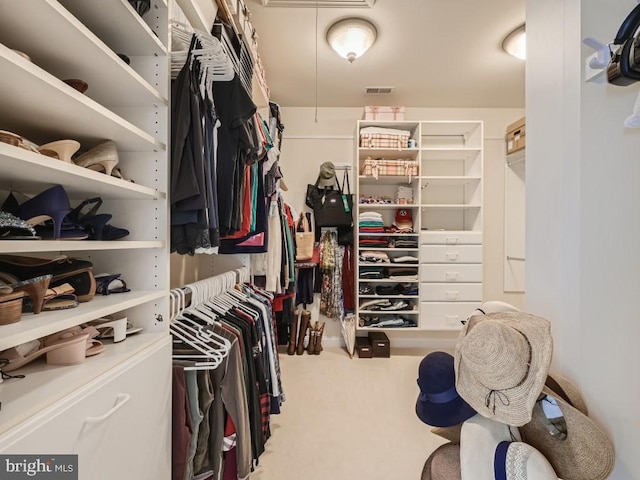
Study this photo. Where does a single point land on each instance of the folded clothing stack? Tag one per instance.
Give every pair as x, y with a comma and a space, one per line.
373, 273
403, 243
374, 256
374, 242
409, 289
386, 305
387, 321
370, 222
374, 200
403, 274
405, 259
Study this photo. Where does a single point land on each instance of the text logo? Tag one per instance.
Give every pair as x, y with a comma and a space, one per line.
50, 467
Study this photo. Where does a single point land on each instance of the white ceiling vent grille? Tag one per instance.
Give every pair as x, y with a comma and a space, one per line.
378, 90
321, 3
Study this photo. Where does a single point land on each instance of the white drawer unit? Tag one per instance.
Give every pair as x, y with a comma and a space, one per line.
111, 424
451, 273
450, 238
444, 315
451, 254
450, 292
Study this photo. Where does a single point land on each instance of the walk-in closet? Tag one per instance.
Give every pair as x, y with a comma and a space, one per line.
319, 239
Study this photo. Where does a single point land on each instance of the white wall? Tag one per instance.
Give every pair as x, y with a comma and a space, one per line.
583, 226
308, 144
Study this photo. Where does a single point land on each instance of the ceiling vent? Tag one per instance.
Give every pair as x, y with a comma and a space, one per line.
319, 3
378, 90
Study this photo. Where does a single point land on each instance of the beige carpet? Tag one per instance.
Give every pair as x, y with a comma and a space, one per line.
348, 419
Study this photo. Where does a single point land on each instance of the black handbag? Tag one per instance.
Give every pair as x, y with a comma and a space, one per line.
331, 207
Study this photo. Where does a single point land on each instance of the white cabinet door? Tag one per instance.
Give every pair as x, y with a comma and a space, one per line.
451, 254
445, 316
450, 292
451, 273
451, 238
119, 425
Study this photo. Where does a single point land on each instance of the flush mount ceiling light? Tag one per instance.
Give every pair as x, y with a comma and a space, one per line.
516, 43
351, 37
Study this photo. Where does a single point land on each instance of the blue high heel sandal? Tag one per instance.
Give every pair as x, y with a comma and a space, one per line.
96, 224
51, 205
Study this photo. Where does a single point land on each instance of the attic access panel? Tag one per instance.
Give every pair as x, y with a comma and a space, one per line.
320, 3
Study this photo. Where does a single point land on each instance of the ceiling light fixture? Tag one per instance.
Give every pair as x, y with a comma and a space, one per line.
516, 43
352, 37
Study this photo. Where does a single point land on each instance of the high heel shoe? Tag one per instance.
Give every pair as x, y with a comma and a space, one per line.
96, 225
102, 158
14, 228
78, 273
10, 307
63, 148
51, 204
65, 351
35, 288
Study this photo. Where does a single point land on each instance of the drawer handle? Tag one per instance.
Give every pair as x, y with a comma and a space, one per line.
452, 320
452, 276
452, 295
452, 257
452, 240
121, 399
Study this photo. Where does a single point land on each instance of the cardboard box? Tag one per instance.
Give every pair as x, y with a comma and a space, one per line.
380, 345
516, 136
375, 112
363, 347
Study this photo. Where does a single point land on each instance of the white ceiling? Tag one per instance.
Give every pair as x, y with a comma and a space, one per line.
436, 53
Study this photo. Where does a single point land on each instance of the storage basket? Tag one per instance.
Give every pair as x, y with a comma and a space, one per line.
381, 167
375, 137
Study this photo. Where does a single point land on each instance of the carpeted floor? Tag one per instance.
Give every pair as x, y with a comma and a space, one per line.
348, 419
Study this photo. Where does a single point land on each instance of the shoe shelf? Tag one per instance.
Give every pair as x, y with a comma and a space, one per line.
43, 108
385, 206
100, 17
31, 326
30, 172
43, 384
404, 297
13, 246
65, 48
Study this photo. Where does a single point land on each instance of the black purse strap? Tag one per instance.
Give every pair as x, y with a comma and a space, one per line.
345, 181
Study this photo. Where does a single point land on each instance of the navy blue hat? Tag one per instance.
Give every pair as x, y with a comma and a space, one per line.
439, 404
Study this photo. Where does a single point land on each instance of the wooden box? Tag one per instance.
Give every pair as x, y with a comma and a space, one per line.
380, 345
516, 136
363, 347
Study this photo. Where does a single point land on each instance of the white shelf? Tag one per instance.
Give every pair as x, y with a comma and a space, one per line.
42, 108
407, 265
33, 326
447, 128
388, 234
65, 48
436, 206
396, 312
385, 206
386, 280
29, 172
45, 384
388, 153
397, 124
100, 17
390, 249
390, 296
449, 153
388, 329
449, 181
14, 246
387, 180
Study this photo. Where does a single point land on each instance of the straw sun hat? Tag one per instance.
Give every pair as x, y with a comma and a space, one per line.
443, 464
584, 452
501, 363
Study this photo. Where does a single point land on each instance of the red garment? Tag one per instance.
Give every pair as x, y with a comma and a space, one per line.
348, 279
278, 300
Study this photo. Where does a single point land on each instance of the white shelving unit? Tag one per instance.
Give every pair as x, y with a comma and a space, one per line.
447, 217
129, 105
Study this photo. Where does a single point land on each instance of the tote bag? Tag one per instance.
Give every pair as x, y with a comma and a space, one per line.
304, 239
331, 207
